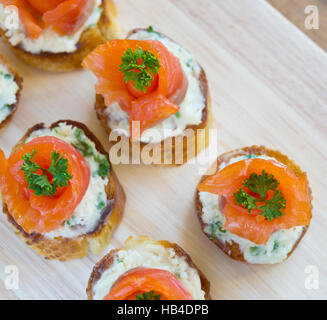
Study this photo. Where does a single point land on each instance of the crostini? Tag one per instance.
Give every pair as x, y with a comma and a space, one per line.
257, 206
59, 191
11, 85
56, 35
153, 92
147, 270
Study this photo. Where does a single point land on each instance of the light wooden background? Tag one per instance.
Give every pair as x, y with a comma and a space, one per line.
268, 83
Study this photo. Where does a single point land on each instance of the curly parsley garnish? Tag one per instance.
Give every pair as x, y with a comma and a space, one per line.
139, 66
150, 29
151, 295
261, 184
39, 182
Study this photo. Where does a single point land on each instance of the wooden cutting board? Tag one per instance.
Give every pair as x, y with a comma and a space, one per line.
268, 84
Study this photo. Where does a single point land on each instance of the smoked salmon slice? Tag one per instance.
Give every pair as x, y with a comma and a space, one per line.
252, 225
64, 16
29, 17
151, 107
42, 6
68, 16
36, 213
142, 280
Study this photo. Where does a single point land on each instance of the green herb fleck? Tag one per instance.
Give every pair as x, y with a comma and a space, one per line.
256, 250
78, 133
151, 295
177, 114
150, 29
276, 245
104, 166
8, 76
119, 260
88, 151
214, 227
81, 145
71, 222
101, 204
190, 64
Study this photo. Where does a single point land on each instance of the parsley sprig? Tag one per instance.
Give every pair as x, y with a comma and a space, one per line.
261, 184
139, 66
151, 295
40, 182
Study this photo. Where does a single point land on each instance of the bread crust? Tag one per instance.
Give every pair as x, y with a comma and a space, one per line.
74, 248
19, 81
106, 29
191, 147
232, 249
106, 262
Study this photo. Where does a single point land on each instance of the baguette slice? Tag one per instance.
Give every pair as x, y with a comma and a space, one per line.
169, 151
106, 29
132, 243
73, 248
19, 82
232, 249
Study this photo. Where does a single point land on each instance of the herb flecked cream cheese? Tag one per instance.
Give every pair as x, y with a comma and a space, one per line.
8, 91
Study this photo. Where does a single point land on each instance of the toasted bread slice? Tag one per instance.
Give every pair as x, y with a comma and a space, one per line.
63, 248
106, 29
170, 151
232, 248
131, 244
19, 81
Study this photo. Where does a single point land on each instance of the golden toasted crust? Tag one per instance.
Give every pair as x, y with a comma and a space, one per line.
19, 82
95, 241
106, 29
193, 144
232, 249
106, 262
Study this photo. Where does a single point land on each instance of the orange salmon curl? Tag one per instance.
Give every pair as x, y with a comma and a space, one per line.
36, 213
139, 281
63, 16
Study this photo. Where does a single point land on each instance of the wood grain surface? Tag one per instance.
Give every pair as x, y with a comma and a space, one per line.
294, 10
268, 85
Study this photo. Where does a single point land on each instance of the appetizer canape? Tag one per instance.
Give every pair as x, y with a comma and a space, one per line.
257, 207
59, 191
149, 80
147, 270
11, 85
56, 35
